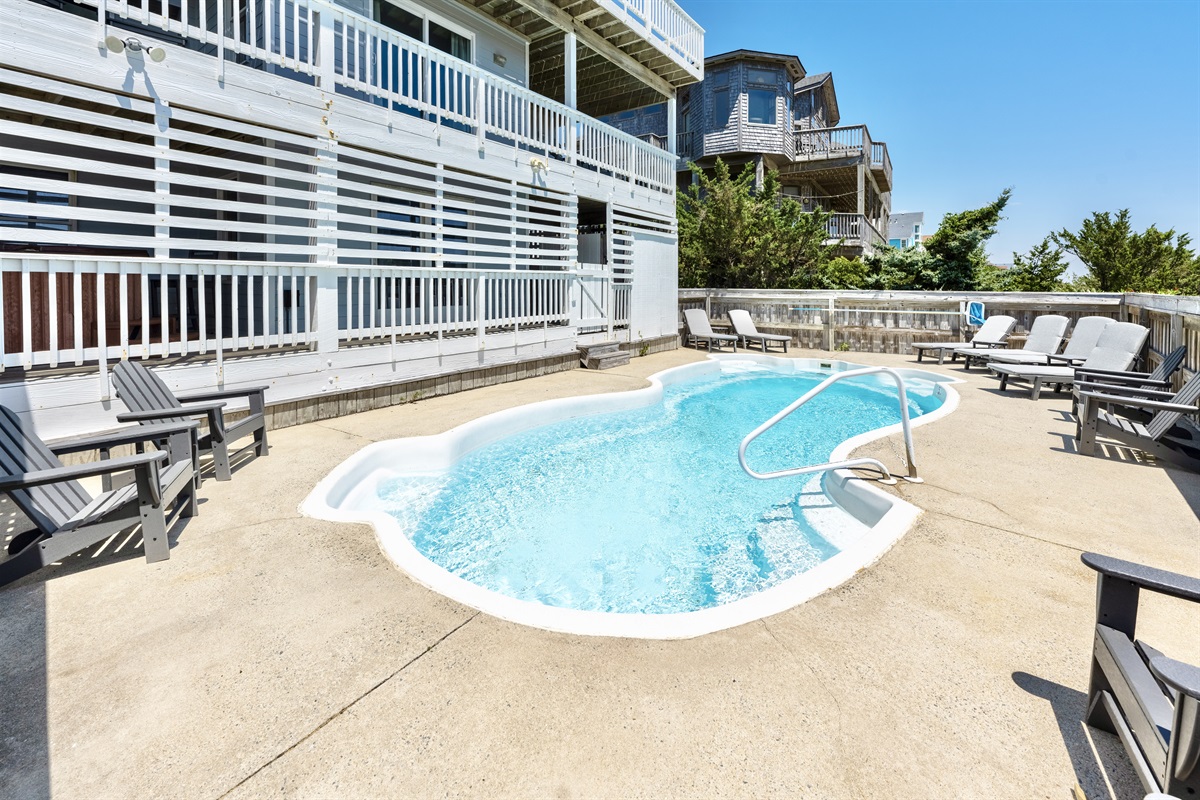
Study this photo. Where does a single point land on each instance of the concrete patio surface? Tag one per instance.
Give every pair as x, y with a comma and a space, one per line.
275, 655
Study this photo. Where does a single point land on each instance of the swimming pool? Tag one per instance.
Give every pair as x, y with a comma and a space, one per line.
628, 513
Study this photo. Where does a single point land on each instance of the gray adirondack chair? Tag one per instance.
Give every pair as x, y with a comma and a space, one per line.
1126, 383
700, 330
149, 399
744, 327
992, 333
66, 517
1159, 379
1045, 335
1168, 435
1151, 702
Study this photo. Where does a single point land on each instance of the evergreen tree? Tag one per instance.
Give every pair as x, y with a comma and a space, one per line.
733, 237
956, 250
1120, 259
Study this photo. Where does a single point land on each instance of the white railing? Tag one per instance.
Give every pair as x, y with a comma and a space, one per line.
73, 312
376, 303
665, 25
854, 463
853, 228
278, 32
77, 311
378, 64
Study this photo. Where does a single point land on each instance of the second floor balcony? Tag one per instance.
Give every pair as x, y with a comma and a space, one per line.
849, 143
322, 44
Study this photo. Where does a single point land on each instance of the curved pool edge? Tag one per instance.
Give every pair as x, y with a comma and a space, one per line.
889, 517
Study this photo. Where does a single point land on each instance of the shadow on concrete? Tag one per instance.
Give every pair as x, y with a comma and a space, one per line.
120, 547
1097, 757
1188, 484
24, 737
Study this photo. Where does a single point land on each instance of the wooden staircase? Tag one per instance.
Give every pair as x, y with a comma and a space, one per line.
604, 355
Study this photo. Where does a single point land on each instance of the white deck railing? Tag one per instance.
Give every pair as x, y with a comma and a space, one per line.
309, 39
86, 311
665, 25
854, 229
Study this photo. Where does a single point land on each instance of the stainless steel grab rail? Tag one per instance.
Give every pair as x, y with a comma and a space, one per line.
853, 462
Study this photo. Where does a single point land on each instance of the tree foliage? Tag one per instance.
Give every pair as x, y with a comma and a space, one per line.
1119, 259
1039, 270
952, 259
733, 237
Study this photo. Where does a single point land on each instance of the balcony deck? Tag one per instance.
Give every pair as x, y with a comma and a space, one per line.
274, 654
850, 143
314, 42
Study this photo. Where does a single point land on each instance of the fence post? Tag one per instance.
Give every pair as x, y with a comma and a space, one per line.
326, 307
325, 50
830, 325
480, 312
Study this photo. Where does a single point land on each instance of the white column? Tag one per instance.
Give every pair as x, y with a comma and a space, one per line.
569, 94
672, 128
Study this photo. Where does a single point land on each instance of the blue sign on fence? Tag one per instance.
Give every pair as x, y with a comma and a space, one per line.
974, 313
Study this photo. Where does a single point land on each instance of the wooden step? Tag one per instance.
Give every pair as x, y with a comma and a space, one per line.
606, 360
598, 349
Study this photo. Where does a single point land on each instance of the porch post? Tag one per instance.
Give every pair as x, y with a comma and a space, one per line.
569, 94
672, 128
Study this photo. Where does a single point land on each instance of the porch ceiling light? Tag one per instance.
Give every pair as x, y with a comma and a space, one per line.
134, 44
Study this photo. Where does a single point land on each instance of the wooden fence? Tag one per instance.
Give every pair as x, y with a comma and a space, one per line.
889, 322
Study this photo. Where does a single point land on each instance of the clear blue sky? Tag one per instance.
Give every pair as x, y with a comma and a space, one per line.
1079, 106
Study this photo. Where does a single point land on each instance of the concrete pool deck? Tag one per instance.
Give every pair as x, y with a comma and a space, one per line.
275, 655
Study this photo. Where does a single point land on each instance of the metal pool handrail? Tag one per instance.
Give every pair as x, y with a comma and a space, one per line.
853, 462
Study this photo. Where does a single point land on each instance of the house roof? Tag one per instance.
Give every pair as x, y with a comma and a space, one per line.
795, 68
824, 82
900, 226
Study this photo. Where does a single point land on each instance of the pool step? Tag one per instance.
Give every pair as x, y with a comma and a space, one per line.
604, 355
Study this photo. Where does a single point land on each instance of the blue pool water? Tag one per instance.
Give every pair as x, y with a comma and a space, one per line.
648, 511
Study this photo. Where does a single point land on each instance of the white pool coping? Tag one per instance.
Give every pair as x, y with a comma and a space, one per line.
888, 517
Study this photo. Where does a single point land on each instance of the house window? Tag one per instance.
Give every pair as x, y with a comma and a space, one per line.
403, 222
721, 107
47, 200
414, 23
450, 42
762, 106
762, 77
402, 20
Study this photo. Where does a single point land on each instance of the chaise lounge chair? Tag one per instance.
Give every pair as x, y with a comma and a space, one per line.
66, 517
149, 399
992, 333
744, 327
1169, 435
699, 329
1115, 351
1151, 702
1045, 336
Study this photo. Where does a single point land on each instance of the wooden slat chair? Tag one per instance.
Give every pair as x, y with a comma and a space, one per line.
1151, 702
66, 517
149, 399
1168, 435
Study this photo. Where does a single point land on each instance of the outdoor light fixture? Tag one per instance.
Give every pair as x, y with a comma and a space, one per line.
499, 59
117, 45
